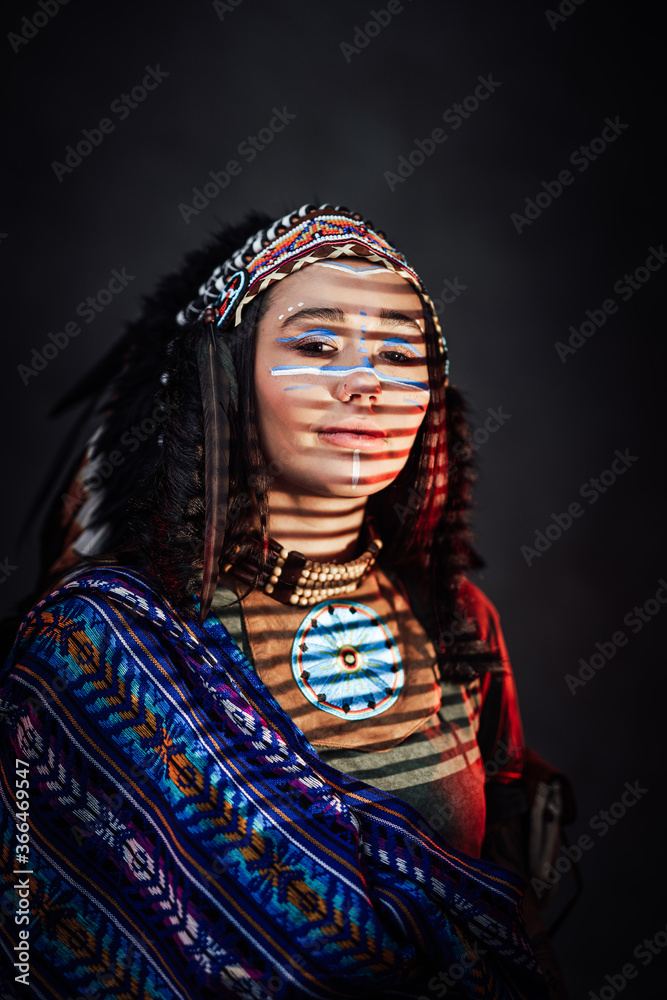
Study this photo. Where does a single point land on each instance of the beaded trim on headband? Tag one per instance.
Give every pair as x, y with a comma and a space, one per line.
302, 237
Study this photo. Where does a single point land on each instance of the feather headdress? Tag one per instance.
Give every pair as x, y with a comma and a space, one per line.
92, 512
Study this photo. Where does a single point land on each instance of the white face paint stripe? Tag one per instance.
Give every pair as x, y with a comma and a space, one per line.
355, 467
360, 272
338, 372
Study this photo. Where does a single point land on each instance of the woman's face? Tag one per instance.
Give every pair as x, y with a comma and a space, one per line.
341, 377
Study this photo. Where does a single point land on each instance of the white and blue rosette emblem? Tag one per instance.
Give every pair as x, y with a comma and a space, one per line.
346, 662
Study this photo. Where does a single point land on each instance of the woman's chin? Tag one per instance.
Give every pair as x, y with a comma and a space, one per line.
351, 480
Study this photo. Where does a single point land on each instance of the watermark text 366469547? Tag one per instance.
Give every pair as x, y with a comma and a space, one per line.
22, 867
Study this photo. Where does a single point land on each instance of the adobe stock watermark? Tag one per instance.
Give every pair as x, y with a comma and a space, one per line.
635, 620
600, 824
248, 149
22, 866
38, 702
449, 293
121, 107
272, 471
644, 952
459, 453
221, 8
31, 25
454, 117
363, 36
591, 491
6, 570
443, 812
88, 309
581, 158
447, 978
625, 288
103, 465
565, 9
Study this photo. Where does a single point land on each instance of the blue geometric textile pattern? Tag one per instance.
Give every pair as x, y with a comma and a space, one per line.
184, 840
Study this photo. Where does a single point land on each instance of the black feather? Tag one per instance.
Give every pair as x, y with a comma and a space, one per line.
216, 392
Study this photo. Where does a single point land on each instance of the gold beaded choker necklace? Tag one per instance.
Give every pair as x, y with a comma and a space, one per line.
291, 578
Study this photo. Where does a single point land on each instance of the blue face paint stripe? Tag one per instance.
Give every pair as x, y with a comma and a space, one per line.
288, 388
412, 401
302, 369
406, 343
308, 333
338, 370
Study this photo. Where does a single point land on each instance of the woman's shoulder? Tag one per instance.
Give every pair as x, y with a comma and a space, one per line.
121, 583
473, 602
88, 595
471, 606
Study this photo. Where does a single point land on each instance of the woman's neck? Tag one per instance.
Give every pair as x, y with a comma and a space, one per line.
323, 528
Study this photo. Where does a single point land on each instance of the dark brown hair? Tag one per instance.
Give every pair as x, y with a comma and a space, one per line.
153, 505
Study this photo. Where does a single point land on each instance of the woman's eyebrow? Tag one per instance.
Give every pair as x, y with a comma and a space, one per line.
328, 314
389, 317
323, 314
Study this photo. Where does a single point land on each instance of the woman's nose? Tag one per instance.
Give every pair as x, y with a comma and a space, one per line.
362, 380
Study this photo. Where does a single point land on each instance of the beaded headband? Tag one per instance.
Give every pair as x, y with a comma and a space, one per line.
303, 237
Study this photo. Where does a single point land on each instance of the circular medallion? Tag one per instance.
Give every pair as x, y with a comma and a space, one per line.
346, 662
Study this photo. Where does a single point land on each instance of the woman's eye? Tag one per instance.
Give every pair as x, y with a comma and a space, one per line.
314, 347
401, 358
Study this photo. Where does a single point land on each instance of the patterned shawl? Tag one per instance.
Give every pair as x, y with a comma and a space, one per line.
186, 842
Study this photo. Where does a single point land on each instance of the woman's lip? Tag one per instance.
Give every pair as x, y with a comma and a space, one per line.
355, 427
345, 438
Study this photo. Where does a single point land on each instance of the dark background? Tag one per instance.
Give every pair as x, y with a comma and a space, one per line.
227, 70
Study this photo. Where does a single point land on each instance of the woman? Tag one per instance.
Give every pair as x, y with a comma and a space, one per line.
257, 706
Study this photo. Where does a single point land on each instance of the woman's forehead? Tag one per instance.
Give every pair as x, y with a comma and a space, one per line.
352, 284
